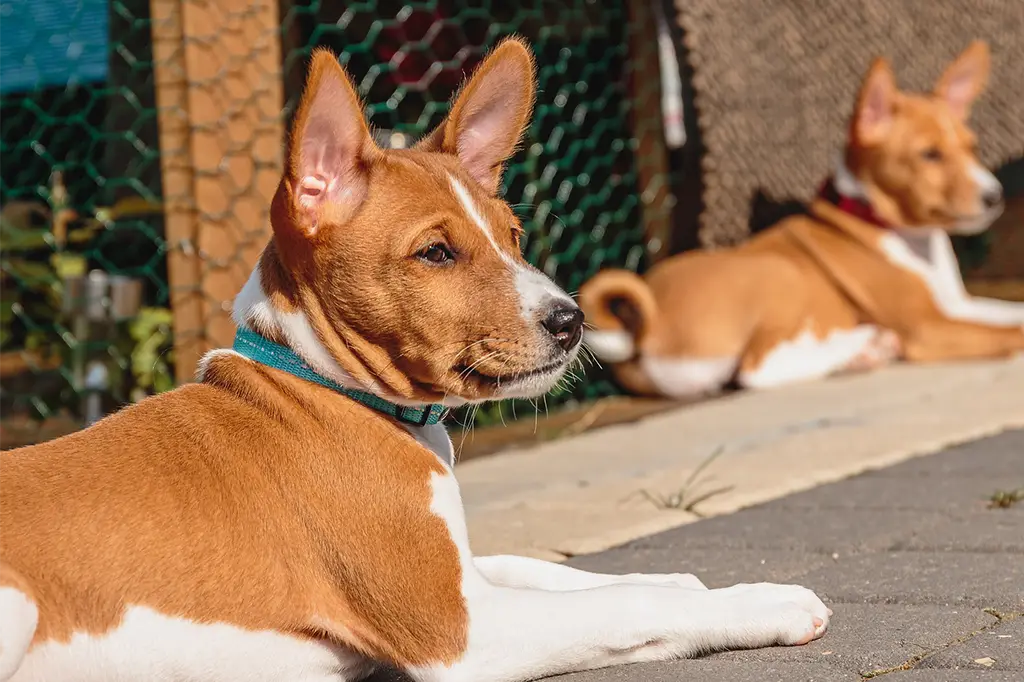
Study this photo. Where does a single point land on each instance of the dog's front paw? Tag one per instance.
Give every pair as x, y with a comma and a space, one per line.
780, 614
888, 346
884, 349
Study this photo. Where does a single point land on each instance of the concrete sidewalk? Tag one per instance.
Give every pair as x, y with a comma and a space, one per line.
925, 578
584, 494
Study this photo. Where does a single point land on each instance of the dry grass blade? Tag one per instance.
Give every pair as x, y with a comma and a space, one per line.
685, 498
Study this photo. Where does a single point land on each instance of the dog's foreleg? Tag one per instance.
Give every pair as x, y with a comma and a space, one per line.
524, 634
517, 571
990, 311
518, 634
951, 294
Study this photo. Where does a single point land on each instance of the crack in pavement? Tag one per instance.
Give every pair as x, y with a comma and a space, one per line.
913, 661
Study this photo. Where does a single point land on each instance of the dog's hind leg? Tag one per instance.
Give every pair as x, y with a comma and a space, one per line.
18, 619
776, 359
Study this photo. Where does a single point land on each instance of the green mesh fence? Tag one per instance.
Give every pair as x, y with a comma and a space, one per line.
80, 192
81, 186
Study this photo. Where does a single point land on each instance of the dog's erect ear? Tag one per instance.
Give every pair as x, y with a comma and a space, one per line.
489, 114
965, 79
330, 143
873, 114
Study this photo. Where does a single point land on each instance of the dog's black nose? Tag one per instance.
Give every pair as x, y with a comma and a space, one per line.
993, 198
565, 324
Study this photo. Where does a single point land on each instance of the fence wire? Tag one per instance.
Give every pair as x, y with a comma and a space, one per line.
141, 144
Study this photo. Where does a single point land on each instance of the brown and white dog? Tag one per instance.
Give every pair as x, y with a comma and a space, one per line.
262, 525
868, 276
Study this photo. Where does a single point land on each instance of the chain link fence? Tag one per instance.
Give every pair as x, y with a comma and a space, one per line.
141, 144
80, 194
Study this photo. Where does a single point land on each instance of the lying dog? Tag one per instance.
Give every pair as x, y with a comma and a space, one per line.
293, 515
867, 277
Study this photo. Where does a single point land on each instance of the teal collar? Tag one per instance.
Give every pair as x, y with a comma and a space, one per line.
259, 349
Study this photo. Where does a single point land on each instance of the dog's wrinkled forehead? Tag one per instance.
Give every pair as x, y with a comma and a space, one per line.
924, 133
498, 228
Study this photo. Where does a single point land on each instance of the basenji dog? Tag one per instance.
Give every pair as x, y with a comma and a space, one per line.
293, 515
867, 277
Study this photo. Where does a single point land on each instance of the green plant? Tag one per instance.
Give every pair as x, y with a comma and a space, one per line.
1004, 499
152, 356
43, 245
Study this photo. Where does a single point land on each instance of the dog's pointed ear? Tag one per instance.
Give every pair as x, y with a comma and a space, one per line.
329, 147
489, 115
965, 79
873, 113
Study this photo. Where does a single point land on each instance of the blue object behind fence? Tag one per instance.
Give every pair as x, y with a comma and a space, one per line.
46, 43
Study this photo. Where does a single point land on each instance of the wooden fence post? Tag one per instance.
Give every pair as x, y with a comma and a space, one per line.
656, 199
217, 66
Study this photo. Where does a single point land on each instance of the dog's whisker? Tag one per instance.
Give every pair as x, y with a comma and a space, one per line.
588, 353
468, 370
477, 343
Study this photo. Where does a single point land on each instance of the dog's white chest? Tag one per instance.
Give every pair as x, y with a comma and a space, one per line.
151, 646
929, 256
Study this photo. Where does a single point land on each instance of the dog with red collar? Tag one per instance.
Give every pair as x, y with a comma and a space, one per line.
868, 276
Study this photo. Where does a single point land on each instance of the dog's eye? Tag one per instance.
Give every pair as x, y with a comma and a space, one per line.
437, 253
932, 154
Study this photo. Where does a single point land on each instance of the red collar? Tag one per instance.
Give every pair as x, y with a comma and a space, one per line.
858, 208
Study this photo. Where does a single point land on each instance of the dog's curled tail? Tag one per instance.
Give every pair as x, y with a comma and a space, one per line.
620, 310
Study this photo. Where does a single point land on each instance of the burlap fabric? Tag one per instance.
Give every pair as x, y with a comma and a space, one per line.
774, 83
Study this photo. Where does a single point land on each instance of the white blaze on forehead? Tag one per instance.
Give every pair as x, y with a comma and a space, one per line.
467, 204
948, 126
534, 288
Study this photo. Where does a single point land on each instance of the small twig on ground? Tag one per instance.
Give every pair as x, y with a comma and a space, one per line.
586, 420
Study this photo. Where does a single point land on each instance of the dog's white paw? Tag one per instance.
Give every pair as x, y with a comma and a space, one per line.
883, 349
780, 614
687, 581
888, 346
